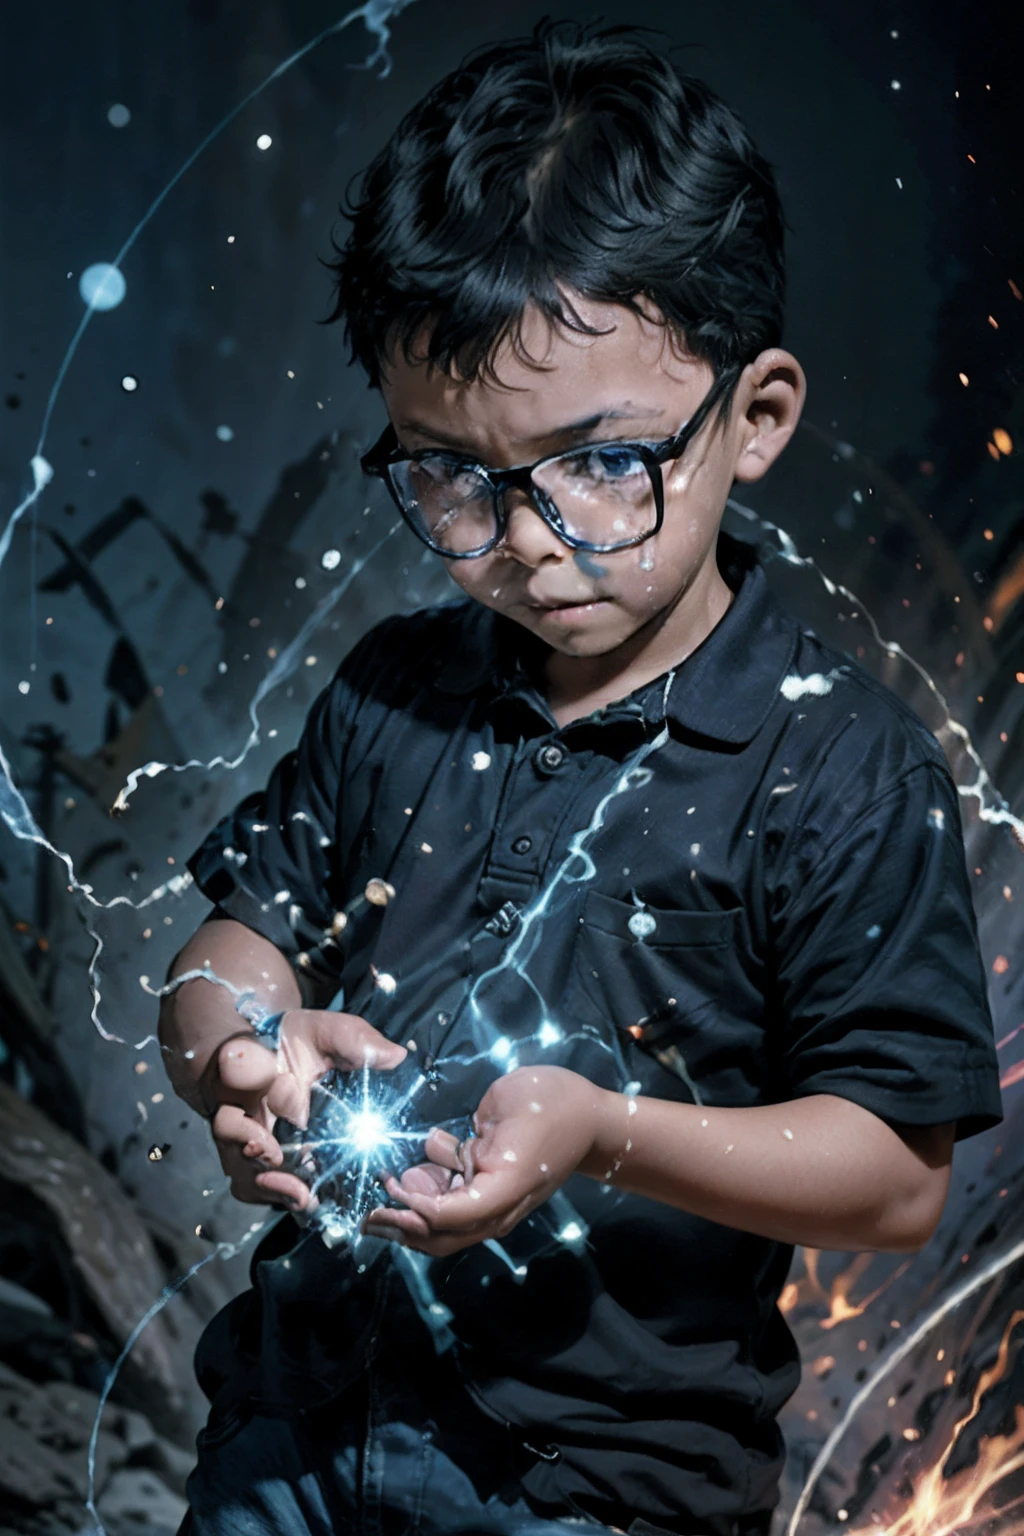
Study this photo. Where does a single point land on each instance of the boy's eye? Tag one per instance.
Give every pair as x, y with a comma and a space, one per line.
611, 463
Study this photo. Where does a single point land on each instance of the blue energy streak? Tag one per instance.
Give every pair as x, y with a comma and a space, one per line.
376, 15
222, 1251
283, 668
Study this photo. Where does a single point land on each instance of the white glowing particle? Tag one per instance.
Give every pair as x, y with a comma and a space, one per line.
367, 1129
509, 1156
224, 433
549, 1034
264, 141
874, 932
102, 286
129, 383
895, 85
330, 559
501, 1048
300, 582
481, 760
937, 818
641, 925
119, 116
794, 687
23, 687
571, 1232
310, 661
788, 1134
386, 983
474, 1194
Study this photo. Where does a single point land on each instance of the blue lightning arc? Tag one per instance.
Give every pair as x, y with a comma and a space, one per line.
377, 15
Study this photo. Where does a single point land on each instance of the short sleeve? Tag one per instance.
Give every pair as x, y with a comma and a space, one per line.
880, 984
270, 863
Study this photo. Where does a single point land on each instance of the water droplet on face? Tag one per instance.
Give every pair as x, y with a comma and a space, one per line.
647, 560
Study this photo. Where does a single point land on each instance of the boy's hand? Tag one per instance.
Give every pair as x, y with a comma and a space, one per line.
247, 1085
535, 1127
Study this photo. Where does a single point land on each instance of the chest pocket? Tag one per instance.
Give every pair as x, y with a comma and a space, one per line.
655, 973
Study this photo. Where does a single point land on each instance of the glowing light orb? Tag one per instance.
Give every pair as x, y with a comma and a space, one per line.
264, 141
102, 286
367, 1129
119, 115
330, 559
501, 1048
225, 433
129, 383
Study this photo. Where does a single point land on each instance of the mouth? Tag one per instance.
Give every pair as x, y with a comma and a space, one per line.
568, 611
567, 605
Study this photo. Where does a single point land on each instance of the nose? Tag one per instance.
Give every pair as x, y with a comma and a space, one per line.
528, 538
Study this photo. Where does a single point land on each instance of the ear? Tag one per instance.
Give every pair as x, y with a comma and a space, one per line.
769, 399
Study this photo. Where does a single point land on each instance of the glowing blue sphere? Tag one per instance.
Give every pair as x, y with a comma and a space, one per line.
102, 286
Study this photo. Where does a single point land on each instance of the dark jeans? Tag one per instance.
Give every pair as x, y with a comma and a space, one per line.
404, 1451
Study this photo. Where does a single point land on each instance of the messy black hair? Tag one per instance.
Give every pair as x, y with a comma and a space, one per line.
575, 160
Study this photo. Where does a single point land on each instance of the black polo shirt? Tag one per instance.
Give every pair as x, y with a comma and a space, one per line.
767, 899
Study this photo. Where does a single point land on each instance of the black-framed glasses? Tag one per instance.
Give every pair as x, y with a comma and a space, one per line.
599, 497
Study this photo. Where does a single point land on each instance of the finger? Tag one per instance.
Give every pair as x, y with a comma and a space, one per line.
488, 1198
286, 1188
445, 1149
233, 1128
426, 1179
287, 1098
245, 1067
352, 1043
394, 1225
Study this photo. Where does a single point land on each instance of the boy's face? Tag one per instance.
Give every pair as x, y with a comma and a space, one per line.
632, 381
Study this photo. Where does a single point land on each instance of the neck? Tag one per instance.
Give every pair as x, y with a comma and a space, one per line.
576, 686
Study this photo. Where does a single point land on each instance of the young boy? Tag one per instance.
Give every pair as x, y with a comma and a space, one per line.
668, 893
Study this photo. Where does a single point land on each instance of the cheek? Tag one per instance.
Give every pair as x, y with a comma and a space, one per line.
484, 579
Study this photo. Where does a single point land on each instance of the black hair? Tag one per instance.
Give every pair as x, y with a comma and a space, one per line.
575, 159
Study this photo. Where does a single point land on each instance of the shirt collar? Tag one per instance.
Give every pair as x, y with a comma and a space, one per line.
724, 689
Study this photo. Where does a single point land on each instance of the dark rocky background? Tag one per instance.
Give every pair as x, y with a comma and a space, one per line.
896, 130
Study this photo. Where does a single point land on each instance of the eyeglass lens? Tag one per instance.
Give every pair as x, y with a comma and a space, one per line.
597, 495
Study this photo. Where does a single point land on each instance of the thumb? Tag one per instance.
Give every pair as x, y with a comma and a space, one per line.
245, 1066
351, 1043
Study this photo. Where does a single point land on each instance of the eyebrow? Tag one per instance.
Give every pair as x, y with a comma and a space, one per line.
627, 411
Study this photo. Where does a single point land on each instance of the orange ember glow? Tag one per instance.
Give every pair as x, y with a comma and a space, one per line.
979, 1495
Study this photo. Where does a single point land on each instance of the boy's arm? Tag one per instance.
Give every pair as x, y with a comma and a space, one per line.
217, 1064
820, 1171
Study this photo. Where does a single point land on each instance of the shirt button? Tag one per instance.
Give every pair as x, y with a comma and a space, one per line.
522, 845
550, 757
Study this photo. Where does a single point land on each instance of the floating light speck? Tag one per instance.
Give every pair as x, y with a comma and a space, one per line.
119, 115
224, 433
129, 383
102, 286
481, 760
23, 687
387, 984
330, 559
895, 85
264, 141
